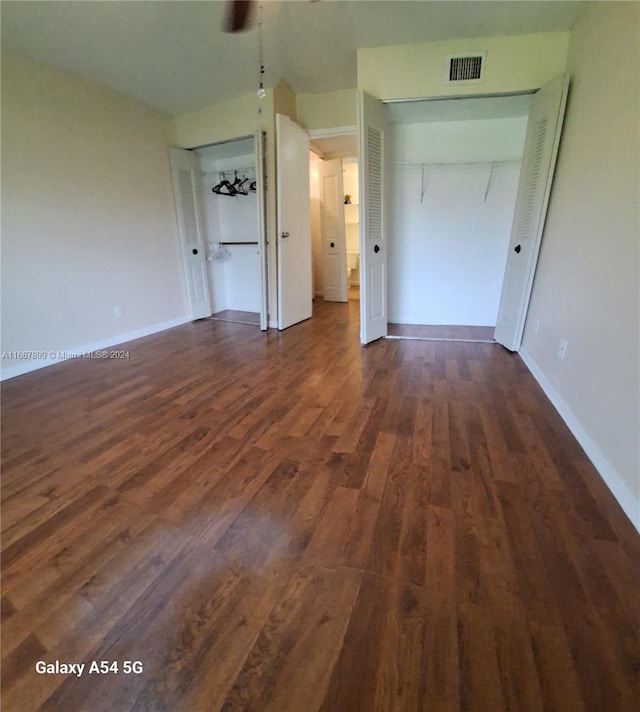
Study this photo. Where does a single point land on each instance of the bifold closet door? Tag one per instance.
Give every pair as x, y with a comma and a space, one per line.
372, 127
185, 177
544, 127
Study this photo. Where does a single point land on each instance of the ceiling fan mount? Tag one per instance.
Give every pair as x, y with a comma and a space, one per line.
238, 15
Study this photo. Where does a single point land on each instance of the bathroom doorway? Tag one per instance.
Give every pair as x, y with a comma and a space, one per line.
335, 232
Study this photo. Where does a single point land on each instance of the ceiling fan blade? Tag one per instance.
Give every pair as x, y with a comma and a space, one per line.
238, 15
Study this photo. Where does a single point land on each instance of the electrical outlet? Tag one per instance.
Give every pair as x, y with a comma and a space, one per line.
562, 351
117, 311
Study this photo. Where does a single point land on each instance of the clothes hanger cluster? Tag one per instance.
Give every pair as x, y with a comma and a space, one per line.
240, 186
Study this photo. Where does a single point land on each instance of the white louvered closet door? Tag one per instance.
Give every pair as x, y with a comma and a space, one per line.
372, 125
185, 176
334, 245
536, 174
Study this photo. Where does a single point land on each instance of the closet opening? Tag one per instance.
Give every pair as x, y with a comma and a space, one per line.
455, 167
230, 205
335, 229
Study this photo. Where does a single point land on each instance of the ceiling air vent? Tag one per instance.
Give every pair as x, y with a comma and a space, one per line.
467, 68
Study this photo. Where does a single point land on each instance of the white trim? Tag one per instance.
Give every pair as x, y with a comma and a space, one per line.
336, 131
28, 366
619, 488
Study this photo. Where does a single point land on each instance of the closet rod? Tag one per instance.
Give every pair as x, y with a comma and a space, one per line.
238, 243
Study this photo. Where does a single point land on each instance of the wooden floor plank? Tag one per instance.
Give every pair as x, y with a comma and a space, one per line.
290, 521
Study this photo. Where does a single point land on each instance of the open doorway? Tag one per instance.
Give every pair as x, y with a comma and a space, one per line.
334, 195
215, 282
229, 199
352, 225
454, 174
378, 232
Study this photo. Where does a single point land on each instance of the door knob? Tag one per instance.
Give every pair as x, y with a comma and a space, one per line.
333, 244
517, 249
195, 252
376, 249
284, 234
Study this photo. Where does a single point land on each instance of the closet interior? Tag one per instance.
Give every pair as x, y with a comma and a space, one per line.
455, 167
231, 227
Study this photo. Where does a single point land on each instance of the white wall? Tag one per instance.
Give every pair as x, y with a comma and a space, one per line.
448, 245
88, 221
517, 63
235, 278
351, 214
327, 110
586, 284
351, 217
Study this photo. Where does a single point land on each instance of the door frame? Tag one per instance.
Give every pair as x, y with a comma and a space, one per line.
260, 140
261, 236
334, 132
528, 92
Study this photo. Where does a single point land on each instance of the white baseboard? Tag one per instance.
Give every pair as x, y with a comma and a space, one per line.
28, 366
619, 488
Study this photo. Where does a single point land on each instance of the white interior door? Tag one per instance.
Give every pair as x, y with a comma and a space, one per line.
546, 115
334, 241
372, 126
260, 138
185, 178
294, 230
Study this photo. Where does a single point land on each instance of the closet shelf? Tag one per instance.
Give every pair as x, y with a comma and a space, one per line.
229, 171
455, 164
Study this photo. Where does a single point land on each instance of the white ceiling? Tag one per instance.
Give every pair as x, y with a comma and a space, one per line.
341, 146
173, 55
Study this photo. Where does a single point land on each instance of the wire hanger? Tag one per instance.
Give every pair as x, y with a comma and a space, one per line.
223, 187
239, 184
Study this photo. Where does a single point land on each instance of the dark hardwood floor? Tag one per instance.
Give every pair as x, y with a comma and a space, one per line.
288, 521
